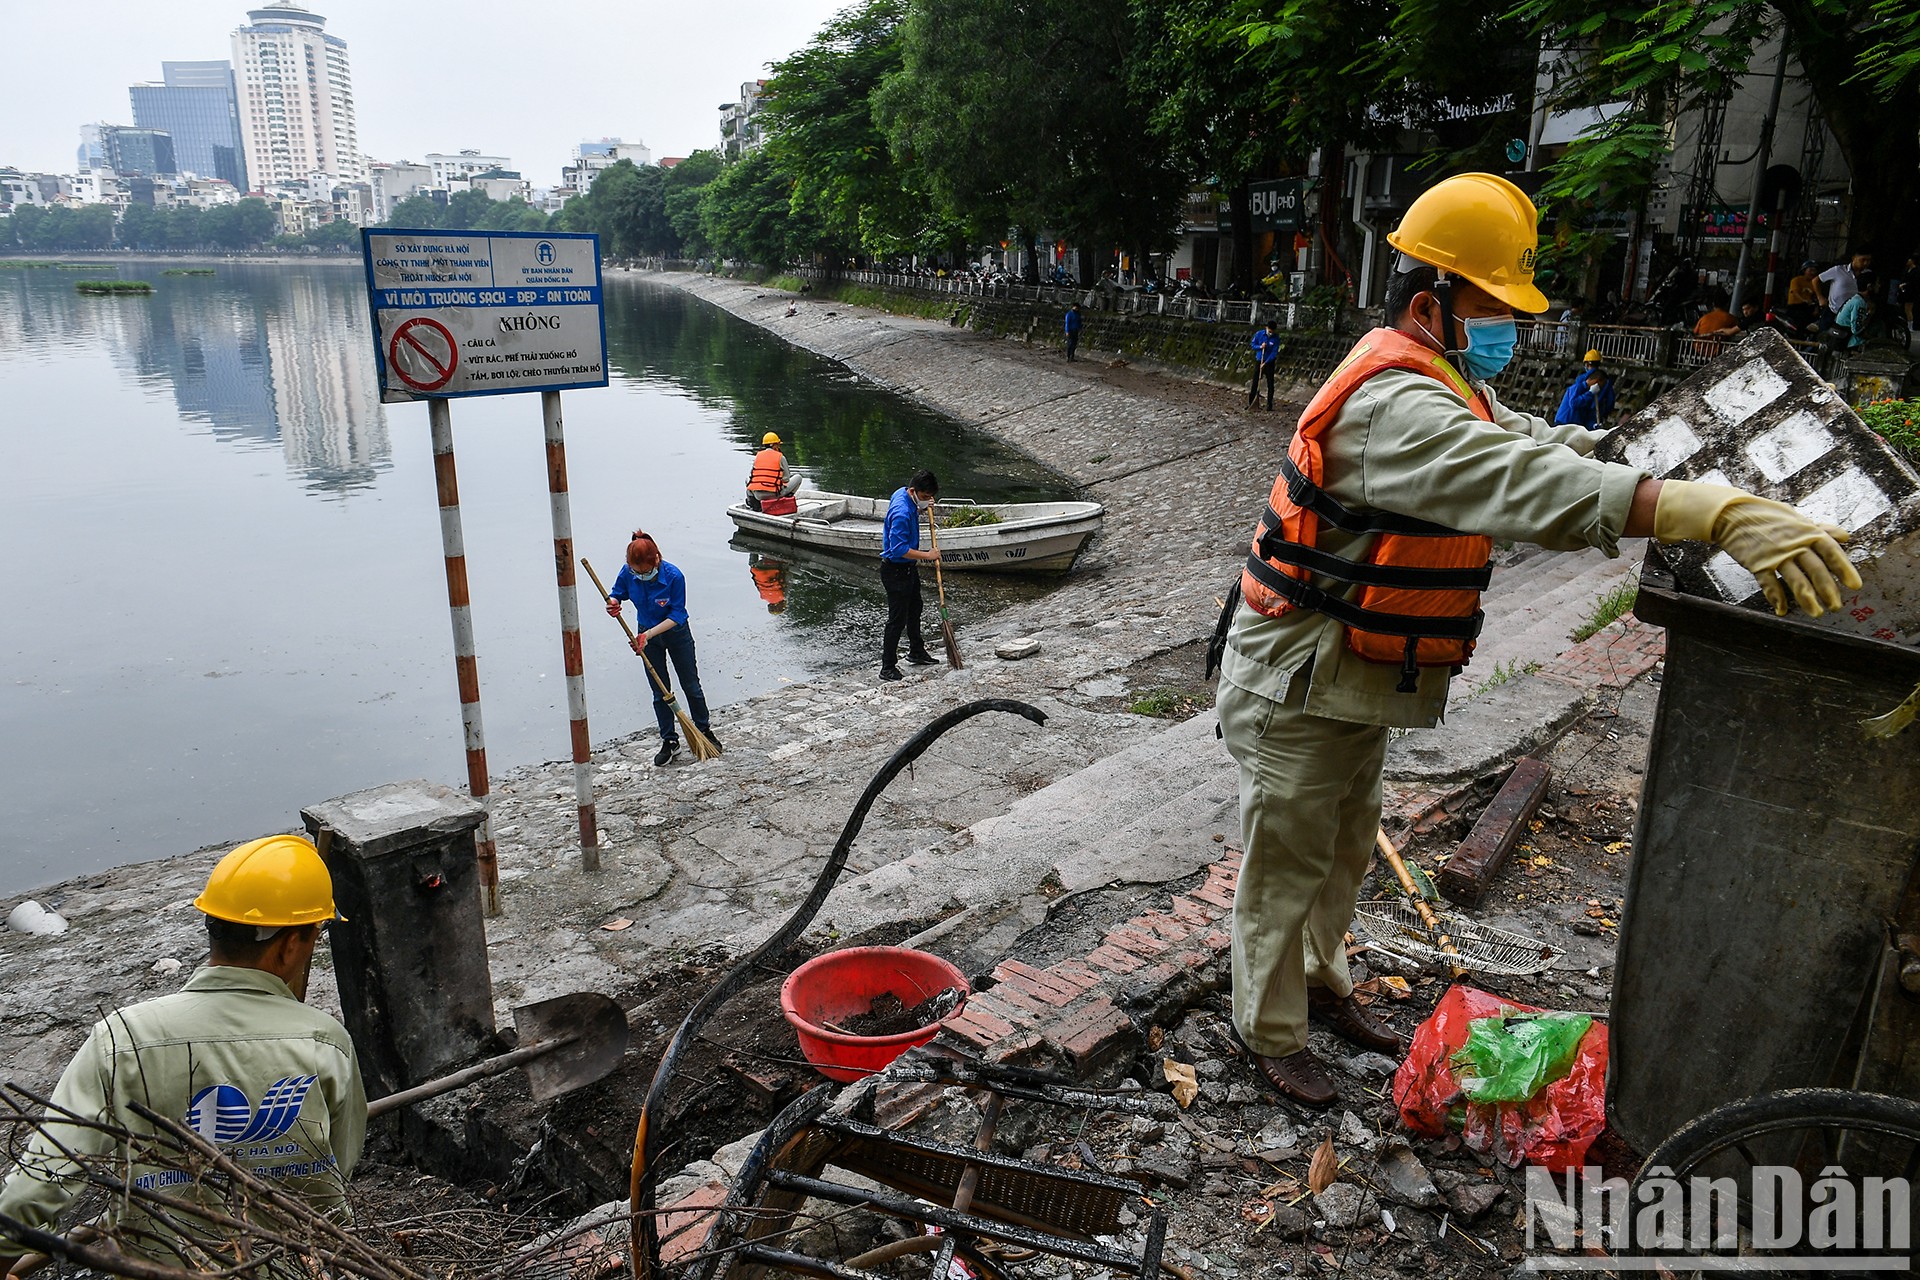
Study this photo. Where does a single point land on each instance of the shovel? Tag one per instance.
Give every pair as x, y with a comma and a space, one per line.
565, 1043
940, 585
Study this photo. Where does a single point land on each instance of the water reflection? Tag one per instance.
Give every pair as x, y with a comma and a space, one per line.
190, 451
263, 355
769, 576
844, 443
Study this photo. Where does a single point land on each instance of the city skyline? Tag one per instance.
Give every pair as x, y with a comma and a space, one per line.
651, 72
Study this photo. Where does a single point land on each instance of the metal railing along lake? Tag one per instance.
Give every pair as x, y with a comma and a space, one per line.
1628, 345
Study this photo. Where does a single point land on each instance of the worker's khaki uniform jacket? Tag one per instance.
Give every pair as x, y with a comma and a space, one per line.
233, 1056
1404, 442
1310, 759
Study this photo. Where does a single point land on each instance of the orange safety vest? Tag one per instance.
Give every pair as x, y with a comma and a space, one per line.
767, 465
1418, 597
771, 581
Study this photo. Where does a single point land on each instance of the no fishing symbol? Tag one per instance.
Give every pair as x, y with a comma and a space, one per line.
422, 353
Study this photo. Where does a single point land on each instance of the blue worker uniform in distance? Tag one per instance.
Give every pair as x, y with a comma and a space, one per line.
1586, 407
654, 602
1265, 345
901, 533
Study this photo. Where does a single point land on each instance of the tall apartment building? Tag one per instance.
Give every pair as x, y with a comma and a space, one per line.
295, 97
195, 103
740, 131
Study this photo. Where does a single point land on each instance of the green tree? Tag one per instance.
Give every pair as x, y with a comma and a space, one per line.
28, 219
1067, 152
747, 212
186, 227
1342, 75
821, 132
1659, 58
685, 182
90, 227
142, 227
418, 212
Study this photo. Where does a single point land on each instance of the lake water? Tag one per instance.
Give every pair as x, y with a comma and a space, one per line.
224, 594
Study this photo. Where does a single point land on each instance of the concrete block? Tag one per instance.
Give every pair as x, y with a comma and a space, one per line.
410, 948
1761, 419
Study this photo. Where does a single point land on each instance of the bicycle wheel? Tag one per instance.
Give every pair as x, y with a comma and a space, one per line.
1806, 1182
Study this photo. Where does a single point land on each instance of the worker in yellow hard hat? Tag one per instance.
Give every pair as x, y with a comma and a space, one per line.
771, 480
237, 1057
1360, 596
1589, 401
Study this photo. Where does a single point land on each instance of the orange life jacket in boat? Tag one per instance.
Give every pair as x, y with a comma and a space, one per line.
767, 465
1415, 599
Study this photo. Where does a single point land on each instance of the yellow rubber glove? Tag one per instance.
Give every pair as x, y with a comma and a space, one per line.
1789, 554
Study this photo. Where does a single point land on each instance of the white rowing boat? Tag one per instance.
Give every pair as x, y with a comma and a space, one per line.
1030, 537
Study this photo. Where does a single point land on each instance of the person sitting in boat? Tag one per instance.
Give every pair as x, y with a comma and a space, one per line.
772, 483
658, 591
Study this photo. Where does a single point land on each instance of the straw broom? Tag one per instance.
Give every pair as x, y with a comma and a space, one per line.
698, 742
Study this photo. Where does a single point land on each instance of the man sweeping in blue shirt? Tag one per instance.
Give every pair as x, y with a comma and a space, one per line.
900, 573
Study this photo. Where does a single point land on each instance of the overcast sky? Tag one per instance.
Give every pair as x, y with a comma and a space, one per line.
523, 78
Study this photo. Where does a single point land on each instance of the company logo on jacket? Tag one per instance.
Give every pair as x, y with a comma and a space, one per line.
224, 1115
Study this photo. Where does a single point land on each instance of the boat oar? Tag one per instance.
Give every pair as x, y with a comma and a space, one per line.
697, 742
1439, 934
940, 585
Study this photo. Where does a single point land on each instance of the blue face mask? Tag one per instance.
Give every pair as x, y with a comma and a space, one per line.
648, 576
1490, 341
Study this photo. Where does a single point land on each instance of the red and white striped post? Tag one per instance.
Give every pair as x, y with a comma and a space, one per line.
466, 666
570, 630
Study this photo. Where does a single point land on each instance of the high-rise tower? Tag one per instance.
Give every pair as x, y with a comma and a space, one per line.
198, 107
296, 97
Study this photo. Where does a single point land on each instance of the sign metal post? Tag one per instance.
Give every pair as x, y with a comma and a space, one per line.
470, 313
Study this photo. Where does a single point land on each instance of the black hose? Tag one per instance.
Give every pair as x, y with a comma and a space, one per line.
645, 1239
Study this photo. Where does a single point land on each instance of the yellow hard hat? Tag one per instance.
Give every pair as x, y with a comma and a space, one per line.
770, 438
1481, 228
1593, 356
279, 880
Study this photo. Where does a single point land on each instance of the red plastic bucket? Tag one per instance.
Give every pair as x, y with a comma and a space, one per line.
844, 984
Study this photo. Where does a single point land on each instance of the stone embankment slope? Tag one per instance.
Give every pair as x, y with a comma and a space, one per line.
709, 857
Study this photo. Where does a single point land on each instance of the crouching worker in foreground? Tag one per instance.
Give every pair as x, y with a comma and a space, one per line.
237, 1057
1361, 597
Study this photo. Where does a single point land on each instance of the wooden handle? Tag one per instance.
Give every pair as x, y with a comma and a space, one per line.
1441, 938
939, 583
659, 685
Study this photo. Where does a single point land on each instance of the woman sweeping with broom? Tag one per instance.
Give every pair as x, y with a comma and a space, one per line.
658, 592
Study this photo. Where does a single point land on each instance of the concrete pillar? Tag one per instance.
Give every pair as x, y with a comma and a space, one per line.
410, 954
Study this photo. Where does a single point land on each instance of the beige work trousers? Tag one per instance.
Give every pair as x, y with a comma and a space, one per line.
1309, 807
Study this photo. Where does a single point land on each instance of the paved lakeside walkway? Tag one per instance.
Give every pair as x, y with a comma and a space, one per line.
705, 858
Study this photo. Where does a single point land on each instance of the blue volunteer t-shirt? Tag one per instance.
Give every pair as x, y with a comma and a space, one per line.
901, 533
664, 597
1265, 345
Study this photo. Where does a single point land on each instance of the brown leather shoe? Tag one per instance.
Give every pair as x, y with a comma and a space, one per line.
1300, 1076
1347, 1017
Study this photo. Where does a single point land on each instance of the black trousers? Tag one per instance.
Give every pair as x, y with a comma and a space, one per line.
901, 578
1073, 341
1265, 369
